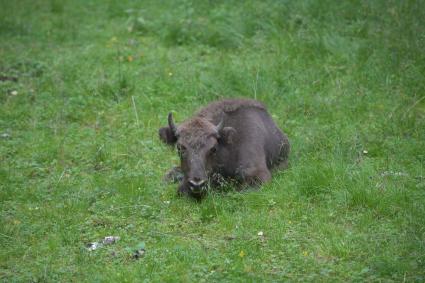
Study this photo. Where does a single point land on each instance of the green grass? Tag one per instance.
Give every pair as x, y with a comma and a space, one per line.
81, 160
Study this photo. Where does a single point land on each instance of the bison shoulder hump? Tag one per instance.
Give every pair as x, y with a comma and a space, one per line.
228, 106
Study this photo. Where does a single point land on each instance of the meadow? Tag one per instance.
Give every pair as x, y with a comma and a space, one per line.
85, 86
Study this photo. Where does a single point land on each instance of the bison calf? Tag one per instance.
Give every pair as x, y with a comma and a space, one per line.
229, 138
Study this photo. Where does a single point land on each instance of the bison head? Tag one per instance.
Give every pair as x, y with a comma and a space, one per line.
198, 142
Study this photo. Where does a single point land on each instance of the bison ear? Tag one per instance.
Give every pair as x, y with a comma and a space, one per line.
167, 136
227, 135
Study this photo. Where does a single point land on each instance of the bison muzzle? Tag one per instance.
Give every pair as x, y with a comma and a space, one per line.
234, 139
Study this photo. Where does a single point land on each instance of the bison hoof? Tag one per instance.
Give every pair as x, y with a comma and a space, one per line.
174, 175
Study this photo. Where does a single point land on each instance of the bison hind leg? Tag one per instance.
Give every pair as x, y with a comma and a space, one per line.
284, 164
285, 149
255, 177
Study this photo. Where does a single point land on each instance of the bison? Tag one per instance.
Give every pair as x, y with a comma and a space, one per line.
235, 139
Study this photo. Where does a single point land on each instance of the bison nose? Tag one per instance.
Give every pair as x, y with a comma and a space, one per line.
196, 184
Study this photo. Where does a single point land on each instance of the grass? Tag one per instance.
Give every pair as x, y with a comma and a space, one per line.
86, 84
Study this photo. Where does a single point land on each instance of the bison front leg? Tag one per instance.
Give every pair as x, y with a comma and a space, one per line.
174, 175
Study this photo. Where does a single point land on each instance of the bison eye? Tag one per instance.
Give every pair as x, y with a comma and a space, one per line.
213, 150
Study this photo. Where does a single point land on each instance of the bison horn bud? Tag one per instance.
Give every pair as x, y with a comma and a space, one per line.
220, 125
171, 124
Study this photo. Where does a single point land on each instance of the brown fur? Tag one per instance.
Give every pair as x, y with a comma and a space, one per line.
196, 131
214, 111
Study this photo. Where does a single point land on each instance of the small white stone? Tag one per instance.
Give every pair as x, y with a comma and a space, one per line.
93, 246
261, 234
14, 92
110, 240
365, 151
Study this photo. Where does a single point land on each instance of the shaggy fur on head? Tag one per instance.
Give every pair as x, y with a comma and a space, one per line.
214, 111
196, 131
